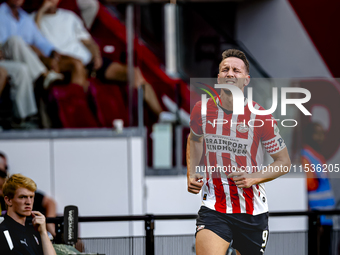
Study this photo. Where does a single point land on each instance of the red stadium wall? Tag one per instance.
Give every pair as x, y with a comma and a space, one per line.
321, 20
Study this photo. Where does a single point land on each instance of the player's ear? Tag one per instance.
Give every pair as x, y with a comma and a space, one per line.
247, 80
8, 201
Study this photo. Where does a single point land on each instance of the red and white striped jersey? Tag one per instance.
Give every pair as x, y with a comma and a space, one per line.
239, 141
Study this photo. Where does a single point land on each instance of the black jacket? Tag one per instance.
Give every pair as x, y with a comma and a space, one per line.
18, 239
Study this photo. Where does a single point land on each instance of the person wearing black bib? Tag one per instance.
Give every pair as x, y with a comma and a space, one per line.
17, 237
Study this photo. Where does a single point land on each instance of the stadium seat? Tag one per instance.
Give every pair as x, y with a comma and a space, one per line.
69, 103
109, 31
108, 102
6, 108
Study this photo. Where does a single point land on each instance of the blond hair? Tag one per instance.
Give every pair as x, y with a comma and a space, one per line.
17, 181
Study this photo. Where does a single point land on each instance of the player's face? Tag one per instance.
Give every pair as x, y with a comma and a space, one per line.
233, 71
22, 202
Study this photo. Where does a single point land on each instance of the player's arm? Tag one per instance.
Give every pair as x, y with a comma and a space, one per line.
93, 47
279, 167
39, 222
194, 155
51, 211
41, 11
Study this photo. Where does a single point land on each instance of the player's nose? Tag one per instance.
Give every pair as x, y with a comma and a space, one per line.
230, 73
29, 201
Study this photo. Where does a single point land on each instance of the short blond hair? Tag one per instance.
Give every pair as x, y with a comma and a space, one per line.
17, 181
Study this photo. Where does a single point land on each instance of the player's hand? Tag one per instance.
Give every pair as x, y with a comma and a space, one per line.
97, 62
242, 179
55, 55
47, 4
195, 183
39, 222
51, 64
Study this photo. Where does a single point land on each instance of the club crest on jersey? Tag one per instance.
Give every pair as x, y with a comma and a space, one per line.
242, 128
276, 129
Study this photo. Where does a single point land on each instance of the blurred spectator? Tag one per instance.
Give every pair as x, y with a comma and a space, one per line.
42, 203
320, 193
88, 10
3, 77
21, 41
46, 206
67, 32
3, 175
21, 89
16, 236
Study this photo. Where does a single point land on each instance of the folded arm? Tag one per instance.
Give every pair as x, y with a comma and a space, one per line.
194, 155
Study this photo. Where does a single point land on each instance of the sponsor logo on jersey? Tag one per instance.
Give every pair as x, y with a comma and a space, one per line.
24, 242
226, 144
281, 142
205, 197
242, 128
212, 124
200, 227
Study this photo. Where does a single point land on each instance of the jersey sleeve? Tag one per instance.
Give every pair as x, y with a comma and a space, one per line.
270, 136
196, 120
79, 28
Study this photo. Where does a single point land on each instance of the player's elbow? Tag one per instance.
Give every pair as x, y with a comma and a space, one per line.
286, 165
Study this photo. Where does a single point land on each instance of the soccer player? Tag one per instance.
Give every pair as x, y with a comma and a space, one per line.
234, 203
15, 236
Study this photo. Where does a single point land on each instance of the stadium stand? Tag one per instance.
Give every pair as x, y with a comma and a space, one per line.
107, 100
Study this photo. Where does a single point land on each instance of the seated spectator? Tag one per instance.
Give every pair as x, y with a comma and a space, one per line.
42, 203
21, 90
3, 175
67, 32
22, 42
29, 53
17, 237
47, 206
